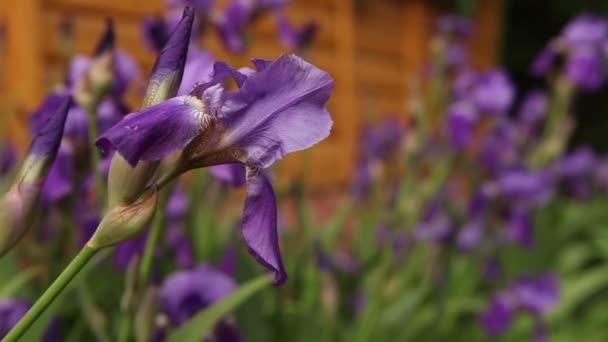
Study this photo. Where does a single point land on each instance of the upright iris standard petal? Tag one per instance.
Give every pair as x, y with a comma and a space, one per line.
278, 111
259, 224
156, 131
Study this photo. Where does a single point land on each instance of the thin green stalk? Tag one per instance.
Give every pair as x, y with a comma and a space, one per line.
158, 230
124, 330
95, 154
51, 293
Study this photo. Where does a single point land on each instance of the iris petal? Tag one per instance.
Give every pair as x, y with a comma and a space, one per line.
259, 224
278, 110
156, 131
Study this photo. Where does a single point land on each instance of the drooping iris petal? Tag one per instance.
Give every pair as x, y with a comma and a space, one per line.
259, 225
232, 174
278, 111
156, 131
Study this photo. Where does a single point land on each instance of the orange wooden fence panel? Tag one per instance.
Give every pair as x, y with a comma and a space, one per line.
371, 51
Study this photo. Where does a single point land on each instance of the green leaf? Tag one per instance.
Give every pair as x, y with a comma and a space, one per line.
201, 324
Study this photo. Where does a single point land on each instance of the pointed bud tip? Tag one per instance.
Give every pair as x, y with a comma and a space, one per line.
169, 67
107, 40
48, 138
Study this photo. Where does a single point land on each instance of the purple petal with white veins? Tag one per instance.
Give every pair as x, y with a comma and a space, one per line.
278, 111
156, 131
259, 225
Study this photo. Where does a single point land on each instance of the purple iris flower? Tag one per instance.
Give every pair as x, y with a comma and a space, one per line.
534, 107
232, 23
126, 70
585, 29
528, 187
382, 140
578, 163
454, 25
292, 38
543, 62
185, 293
470, 235
435, 226
277, 110
456, 56
537, 295
494, 92
534, 295
461, 120
126, 251
499, 150
497, 318
520, 227
8, 158
585, 68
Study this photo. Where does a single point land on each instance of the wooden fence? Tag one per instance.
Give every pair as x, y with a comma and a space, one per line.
371, 51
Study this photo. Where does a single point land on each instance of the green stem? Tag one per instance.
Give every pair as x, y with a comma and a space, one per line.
157, 232
51, 293
124, 330
95, 154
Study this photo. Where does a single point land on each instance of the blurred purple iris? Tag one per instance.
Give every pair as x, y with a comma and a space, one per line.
534, 295
185, 293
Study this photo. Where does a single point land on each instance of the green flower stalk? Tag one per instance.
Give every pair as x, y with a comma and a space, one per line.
18, 205
128, 214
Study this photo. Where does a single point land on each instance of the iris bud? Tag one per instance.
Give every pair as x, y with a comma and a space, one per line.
18, 205
124, 222
126, 183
